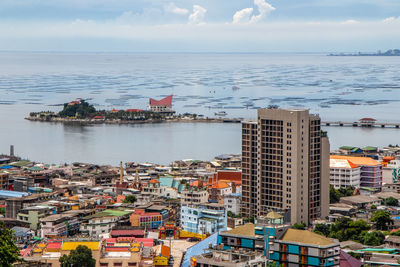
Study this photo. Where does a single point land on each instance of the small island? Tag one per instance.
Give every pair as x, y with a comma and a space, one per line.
81, 112
388, 53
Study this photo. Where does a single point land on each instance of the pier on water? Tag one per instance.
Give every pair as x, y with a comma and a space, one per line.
364, 122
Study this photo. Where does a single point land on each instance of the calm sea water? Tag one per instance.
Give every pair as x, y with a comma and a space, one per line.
337, 88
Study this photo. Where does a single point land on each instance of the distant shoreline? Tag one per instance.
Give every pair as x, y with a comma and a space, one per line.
388, 53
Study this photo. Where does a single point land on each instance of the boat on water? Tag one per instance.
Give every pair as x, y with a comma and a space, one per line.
220, 113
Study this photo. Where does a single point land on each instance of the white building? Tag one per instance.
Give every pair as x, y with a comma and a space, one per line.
102, 222
344, 173
194, 197
233, 203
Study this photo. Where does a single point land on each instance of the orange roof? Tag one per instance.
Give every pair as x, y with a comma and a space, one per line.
220, 185
342, 163
154, 181
196, 183
363, 161
165, 251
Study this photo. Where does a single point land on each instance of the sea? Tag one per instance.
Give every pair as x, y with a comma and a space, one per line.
336, 88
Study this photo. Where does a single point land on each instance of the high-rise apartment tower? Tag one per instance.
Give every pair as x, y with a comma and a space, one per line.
285, 165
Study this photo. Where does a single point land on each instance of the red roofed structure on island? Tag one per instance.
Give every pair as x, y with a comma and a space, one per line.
165, 102
161, 106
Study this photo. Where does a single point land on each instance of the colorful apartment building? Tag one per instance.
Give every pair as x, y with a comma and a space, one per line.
203, 218
370, 171
150, 220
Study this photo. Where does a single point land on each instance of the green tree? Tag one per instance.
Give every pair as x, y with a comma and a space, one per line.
374, 238
381, 219
395, 233
9, 252
80, 257
322, 229
391, 201
373, 207
300, 226
336, 194
130, 199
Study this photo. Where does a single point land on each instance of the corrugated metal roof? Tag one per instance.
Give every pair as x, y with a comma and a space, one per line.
198, 248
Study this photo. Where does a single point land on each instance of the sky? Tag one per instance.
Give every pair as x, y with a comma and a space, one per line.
200, 25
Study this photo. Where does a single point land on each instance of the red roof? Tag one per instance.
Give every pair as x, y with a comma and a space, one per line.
127, 233
154, 181
125, 239
367, 119
348, 261
114, 110
54, 245
98, 117
134, 110
165, 102
147, 242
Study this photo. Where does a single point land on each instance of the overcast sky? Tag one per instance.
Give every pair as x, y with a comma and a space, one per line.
200, 25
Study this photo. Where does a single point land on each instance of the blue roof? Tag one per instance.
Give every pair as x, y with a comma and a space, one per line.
6, 167
175, 184
236, 194
181, 187
198, 248
12, 194
166, 181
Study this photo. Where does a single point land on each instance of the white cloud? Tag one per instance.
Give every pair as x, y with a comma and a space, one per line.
198, 14
264, 9
247, 15
391, 19
350, 21
242, 16
172, 8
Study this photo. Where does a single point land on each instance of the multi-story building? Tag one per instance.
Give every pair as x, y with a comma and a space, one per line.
305, 248
233, 203
194, 197
59, 225
103, 222
150, 220
219, 189
370, 171
271, 239
285, 165
344, 173
34, 214
203, 218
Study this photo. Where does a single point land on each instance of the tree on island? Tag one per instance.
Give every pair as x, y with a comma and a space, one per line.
130, 199
80, 257
81, 110
9, 252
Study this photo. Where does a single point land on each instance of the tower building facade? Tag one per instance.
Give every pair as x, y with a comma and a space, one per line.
285, 165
